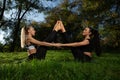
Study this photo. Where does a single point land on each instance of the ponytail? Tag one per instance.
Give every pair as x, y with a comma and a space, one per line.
96, 41
22, 37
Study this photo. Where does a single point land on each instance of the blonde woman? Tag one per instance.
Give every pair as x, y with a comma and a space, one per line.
29, 42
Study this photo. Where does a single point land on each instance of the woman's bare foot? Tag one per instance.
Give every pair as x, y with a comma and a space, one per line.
62, 27
57, 26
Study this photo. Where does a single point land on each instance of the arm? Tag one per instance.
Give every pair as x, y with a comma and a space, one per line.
76, 44
32, 40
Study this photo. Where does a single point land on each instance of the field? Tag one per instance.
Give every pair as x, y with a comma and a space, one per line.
59, 65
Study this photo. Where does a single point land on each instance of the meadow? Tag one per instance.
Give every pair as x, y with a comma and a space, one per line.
59, 65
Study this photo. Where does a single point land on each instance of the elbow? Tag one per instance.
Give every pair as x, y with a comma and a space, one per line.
76, 45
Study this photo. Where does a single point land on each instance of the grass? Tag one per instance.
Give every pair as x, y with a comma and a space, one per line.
58, 65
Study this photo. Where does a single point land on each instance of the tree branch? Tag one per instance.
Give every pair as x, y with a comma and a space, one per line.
27, 9
3, 9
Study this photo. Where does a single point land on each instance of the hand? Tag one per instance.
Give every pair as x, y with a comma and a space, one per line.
57, 44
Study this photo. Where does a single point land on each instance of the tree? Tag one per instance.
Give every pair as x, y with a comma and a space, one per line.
2, 9
99, 14
22, 8
4, 5
65, 12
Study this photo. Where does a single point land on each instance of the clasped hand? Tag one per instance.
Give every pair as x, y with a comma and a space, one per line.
57, 44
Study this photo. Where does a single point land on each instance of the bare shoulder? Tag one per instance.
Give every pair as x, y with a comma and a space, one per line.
86, 41
29, 37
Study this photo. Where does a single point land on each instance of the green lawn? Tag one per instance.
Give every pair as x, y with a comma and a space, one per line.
58, 65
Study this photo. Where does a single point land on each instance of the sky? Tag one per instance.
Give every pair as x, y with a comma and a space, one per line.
31, 16
1, 36
39, 17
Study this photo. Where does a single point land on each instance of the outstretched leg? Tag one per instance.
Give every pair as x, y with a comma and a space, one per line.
41, 50
76, 51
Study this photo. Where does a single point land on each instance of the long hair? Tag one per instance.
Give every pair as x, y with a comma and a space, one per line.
95, 41
23, 37
24, 32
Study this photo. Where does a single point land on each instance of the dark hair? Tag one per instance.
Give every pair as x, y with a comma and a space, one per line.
95, 40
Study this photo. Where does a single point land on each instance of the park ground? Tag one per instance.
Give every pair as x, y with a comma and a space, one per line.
59, 65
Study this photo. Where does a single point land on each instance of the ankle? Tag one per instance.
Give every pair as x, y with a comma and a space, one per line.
55, 30
63, 30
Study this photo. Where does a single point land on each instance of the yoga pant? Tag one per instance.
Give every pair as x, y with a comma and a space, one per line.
32, 56
41, 50
77, 52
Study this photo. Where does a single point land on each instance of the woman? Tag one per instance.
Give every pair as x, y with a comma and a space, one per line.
82, 51
29, 42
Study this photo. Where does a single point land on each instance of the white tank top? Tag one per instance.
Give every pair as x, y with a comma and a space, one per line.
29, 47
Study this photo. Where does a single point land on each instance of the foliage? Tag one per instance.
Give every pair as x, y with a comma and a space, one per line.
17, 18
102, 15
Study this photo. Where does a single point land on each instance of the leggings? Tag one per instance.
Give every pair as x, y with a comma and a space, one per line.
41, 50
77, 52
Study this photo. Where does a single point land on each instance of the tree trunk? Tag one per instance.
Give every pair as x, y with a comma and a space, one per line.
2, 13
15, 37
16, 29
3, 9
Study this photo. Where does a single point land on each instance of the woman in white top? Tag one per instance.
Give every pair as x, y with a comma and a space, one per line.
29, 42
